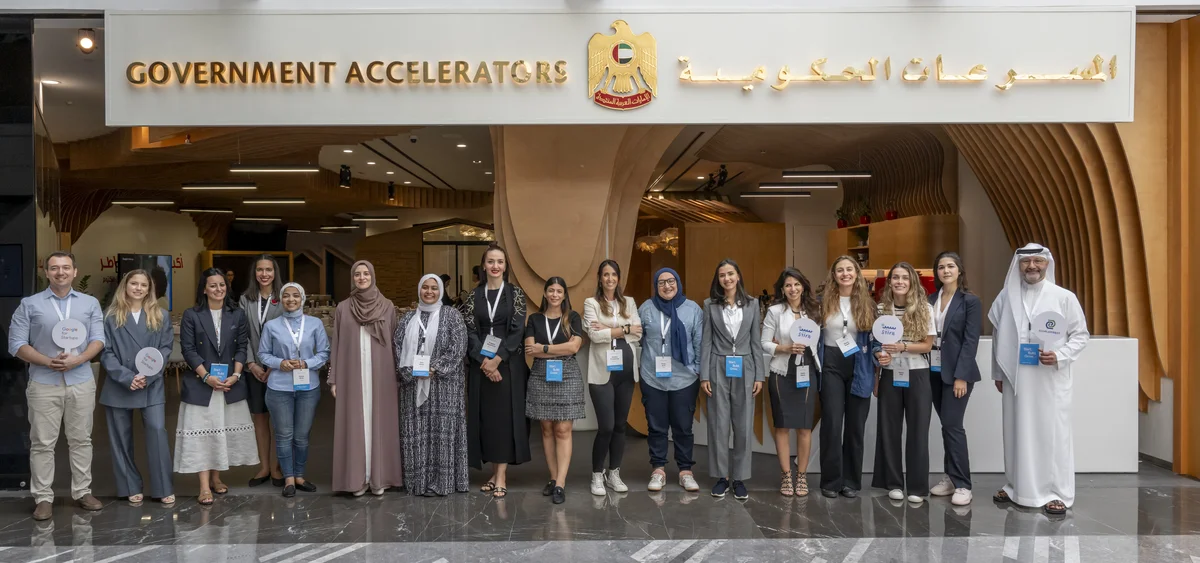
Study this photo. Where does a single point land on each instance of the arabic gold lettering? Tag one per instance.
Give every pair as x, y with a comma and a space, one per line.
784, 77
887, 69
1112, 67
909, 77
687, 69
976, 74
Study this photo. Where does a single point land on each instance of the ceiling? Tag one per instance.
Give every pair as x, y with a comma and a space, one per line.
73, 109
427, 157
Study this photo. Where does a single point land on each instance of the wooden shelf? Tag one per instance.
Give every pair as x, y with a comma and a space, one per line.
916, 240
858, 248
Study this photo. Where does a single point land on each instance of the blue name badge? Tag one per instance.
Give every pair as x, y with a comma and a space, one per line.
554, 370
733, 366
219, 371
1029, 354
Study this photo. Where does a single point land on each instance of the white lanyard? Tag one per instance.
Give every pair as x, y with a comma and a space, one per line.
845, 318
61, 315
554, 334
424, 329
493, 307
262, 311
666, 329
297, 336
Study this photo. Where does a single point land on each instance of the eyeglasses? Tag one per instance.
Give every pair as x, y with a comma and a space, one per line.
667, 283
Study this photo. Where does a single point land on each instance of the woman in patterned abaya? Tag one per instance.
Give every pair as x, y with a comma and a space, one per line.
430, 344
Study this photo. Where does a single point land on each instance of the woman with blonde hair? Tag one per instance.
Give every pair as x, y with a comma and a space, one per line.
848, 374
133, 323
905, 396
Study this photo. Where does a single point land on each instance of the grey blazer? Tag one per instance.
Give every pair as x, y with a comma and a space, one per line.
255, 324
715, 342
120, 349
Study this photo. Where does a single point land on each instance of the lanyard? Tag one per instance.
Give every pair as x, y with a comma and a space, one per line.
262, 310
803, 315
666, 329
554, 334
493, 307
297, 336
424, 329
845, 318
61, 315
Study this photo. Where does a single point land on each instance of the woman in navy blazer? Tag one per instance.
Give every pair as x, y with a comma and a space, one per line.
958, 315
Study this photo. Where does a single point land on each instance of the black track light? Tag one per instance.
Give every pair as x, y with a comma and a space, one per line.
344, 177
391, 191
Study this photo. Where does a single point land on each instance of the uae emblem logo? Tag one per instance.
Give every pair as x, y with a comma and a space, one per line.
622, 68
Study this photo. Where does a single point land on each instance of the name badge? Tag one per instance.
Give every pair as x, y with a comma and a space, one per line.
733, 366
420, 366
848, 346
491, 345
802, 376
554, 370
662, 366
935, 361
301, 380
616, 360
219, 371
899, 372
1029, 354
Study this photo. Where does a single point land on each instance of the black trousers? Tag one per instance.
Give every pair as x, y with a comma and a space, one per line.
674, 410
900, 406
611, 402
951, 411
843, 425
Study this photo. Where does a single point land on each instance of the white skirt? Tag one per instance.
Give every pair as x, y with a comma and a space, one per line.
215, 437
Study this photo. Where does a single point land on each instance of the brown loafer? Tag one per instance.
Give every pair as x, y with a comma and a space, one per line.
43, 511
89, 502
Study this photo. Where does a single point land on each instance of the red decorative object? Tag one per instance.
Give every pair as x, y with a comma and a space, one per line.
865, 219
842, 224
890, 215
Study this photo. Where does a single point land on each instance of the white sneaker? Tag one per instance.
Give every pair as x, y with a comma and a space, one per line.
962, 497
598, 484
944, 488
896, 494
614, 482
688, 482
916, 499
658, 480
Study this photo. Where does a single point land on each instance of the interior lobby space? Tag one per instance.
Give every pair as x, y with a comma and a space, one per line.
186, 139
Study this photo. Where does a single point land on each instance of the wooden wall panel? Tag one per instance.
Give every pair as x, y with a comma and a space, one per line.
398, 260
759, 249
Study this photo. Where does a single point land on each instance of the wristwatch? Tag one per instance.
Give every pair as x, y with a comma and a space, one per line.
545, 349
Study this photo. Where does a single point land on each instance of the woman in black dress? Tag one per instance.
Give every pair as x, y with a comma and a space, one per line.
497, 431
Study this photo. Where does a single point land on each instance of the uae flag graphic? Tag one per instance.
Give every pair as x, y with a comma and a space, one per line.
622, 52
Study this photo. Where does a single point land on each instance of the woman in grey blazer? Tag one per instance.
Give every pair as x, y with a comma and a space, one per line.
132, 323
732, 371
260, 302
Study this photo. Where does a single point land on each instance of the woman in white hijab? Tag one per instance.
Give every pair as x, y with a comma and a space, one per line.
431, 344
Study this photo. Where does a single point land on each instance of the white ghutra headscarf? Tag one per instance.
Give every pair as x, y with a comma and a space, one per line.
412, 335
1007, 325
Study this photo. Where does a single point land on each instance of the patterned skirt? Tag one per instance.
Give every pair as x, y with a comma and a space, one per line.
215, 437
555, 400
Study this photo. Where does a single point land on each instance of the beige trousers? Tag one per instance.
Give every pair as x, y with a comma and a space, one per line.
51, 407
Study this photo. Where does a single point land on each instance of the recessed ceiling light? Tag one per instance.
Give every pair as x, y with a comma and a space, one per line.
51, 82
86, 40
476, 162
699, 177
142, 202
825, 174
462, 145
489, 172
371, 163
786, 186
390, 172
407, 182
270, 168
347, 151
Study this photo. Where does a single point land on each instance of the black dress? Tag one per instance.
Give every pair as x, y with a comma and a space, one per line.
794, 407
497, 430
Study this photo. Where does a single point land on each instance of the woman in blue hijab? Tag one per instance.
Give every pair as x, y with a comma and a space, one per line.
670, 368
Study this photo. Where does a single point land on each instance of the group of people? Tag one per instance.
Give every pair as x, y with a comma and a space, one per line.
447, 386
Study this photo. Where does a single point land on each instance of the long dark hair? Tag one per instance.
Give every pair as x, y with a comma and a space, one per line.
717, 293
808, 300
276, 283
201, 298
483, 263
962, 272
565, 307
604, 307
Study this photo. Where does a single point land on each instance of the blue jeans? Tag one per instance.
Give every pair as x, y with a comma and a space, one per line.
292, 416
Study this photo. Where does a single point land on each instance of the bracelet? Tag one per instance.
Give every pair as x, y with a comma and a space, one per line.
205, 378
906, 346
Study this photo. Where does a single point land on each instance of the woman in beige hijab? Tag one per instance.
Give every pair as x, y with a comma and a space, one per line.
362, 378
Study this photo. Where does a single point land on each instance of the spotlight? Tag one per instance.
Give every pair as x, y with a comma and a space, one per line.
86, 40
344, 177
391, 191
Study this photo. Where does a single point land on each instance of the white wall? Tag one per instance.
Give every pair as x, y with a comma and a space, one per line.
981, 240
1156, 426
140, 231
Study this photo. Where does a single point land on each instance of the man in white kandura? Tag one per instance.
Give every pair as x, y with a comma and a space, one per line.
1039, 456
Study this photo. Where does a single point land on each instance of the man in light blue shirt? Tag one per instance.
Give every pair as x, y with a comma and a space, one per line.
62, 389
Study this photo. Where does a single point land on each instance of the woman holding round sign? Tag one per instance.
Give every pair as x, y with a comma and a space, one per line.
138, 337
555, 397
904, 335
215, 431
847, 312
430, 344
789, 336
294, 347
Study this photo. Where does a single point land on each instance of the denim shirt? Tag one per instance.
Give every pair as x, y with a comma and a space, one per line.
863, 383
682, 376
277, 345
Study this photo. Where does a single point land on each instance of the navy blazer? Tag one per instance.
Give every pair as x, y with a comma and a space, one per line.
960, 337
198, 339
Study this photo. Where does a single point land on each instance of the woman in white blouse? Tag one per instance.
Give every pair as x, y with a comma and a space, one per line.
613, 324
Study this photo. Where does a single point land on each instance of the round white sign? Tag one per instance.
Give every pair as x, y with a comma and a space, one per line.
69, 334
805, 331
1050, 328
149, 361
888, 329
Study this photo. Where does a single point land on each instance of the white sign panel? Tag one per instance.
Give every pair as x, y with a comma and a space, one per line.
906, 66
